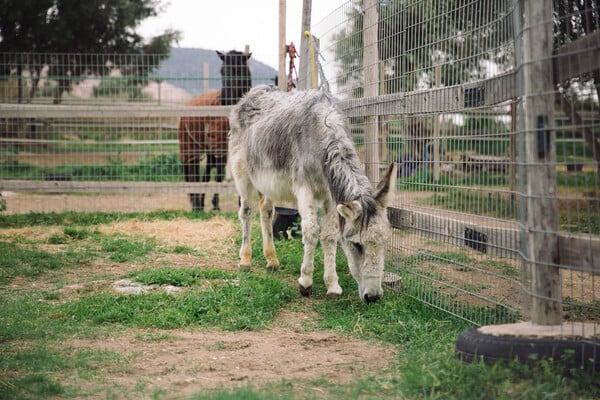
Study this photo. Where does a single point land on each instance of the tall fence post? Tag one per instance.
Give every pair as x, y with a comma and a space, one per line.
541, 220
371, 83
303, 74
282, 81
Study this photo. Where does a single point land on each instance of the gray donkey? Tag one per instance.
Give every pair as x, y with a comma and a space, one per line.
295, 147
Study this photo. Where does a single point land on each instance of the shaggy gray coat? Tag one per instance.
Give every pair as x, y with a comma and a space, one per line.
295, 147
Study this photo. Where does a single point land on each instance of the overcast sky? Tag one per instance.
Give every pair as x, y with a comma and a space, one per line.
231, 24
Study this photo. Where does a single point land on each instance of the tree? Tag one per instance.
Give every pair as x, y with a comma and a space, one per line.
414, 37
67, 36
572, 21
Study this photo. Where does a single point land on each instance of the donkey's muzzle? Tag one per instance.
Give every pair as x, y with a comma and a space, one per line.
371, 298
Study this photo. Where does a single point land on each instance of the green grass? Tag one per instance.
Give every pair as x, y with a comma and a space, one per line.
122, 248
36, 325
24, 261
244, 303
82, 220
476, 202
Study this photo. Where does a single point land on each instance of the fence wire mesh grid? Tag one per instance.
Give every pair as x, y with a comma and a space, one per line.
446, 106
434, 86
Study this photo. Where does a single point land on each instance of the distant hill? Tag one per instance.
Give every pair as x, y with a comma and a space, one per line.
184, 69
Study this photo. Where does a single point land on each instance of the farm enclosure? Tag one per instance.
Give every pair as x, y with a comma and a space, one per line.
491, 110
439, 88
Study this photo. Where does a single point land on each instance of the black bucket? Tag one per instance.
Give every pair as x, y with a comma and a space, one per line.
284, 219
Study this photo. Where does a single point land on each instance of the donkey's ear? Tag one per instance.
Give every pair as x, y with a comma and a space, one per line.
386, 185
221, 55
350, 210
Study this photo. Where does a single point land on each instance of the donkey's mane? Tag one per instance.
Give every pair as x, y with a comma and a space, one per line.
341, 167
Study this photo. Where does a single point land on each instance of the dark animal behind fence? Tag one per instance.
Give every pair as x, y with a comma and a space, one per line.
208, 135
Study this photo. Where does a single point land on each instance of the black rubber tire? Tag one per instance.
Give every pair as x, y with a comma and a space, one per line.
284, 219
571, 353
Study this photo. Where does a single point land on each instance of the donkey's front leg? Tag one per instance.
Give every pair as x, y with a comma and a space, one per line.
329, 239
266, 224
310, 237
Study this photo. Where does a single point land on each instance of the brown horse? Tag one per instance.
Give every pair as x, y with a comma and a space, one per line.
208, 135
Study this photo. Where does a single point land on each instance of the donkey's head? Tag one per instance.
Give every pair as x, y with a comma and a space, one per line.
235, 76
365, 231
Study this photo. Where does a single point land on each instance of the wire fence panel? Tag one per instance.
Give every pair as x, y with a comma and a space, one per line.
138, 125
449, 97
498, 183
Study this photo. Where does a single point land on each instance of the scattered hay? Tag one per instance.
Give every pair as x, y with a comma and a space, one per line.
41, 233
211, 235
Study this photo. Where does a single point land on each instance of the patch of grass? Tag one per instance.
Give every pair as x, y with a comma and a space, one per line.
179, 277
152, 336
20, 260
30, 386
42, 362
505, 268
122, 248
34, 352
581, 181
247, 305
25, 318
476, 202
81, 219
580, 220
184, 250
76, 233
283, 391
162, 167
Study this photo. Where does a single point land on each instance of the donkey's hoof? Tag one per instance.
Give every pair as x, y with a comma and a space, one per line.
245, 267
306, 292
272, 267
333, 296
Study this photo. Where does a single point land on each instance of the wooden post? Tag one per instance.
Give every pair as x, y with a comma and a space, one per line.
303, 77
246, 52
206, 74
371, 83
540, 159
282, 53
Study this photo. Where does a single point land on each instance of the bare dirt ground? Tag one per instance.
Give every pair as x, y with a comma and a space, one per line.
188, 362
21, 202
181, 362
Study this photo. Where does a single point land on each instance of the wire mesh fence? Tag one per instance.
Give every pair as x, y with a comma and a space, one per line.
120, 123
438, 87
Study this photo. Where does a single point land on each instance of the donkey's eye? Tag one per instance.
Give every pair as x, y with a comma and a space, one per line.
358, 247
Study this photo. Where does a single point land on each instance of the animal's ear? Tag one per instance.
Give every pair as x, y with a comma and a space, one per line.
386, 185
350, 210
221, 55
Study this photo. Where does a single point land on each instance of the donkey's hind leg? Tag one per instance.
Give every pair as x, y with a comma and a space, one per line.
245, 215
248, 197
266, 224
